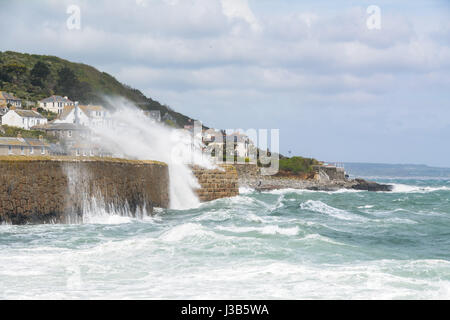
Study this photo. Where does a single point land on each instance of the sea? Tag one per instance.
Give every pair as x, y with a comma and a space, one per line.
284, 244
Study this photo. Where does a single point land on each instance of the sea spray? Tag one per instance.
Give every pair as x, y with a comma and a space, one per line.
86, 204
132, 135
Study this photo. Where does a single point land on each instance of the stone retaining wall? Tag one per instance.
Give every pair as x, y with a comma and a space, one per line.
45, 189
331, 173
216, 184
248, 171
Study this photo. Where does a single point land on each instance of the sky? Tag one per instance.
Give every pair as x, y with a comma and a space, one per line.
339, 88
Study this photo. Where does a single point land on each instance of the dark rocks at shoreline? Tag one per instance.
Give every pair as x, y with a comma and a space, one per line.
251, 177
275, 183
362, 184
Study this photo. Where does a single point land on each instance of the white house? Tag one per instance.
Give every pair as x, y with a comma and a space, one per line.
24, 119
95, 116
55, 104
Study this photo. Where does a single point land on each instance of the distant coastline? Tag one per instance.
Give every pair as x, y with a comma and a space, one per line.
380, 170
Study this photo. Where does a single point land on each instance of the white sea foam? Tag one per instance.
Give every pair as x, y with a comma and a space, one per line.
404, 188
366, 207
246, 190
187, 230
318, 237
320, 207
306, 191
268, 230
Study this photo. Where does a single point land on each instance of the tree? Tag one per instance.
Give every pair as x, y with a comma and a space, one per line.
69, 85
4, 76
39, 73
67, 81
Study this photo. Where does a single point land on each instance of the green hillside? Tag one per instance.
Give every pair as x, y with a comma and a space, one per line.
34, 77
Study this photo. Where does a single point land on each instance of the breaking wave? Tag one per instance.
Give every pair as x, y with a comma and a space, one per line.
285, 245
403, 188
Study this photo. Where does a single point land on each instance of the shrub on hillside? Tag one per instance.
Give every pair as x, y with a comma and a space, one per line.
298, 164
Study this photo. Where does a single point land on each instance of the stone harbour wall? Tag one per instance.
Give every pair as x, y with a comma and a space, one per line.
46, 189
248, 171
216, 184
331, 173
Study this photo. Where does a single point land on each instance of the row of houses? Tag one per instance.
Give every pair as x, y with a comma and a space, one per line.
23, 146
54, 103
71, 127
233, 144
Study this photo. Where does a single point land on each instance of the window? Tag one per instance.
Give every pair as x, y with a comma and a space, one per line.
78, 153
10, 150
43, 150
69, 134
31, 150
92, 153
22, 150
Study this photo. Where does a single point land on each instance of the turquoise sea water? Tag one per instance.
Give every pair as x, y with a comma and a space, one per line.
288, 244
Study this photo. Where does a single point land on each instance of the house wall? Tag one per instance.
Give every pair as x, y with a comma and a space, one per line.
15, 103
26, 151
54, 106
44, 189
70, 118
14, 120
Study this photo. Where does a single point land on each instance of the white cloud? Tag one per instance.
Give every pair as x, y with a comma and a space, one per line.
205, 56
240, 9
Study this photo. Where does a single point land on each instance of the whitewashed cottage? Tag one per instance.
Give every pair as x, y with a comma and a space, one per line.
24, 119
55, 104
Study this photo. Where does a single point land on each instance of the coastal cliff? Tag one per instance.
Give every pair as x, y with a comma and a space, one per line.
61, 189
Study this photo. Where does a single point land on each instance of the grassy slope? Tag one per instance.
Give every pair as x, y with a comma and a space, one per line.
101, 82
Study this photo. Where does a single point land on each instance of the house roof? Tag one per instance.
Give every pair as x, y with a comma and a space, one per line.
238, 136
66, 111
7, 96
91, 108
23, 142
85, 145
86, 110
60, 126
55, 99
28, 113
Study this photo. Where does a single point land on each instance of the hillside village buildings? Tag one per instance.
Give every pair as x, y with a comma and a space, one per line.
55, 104
95, 116
7, 100
72, 128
